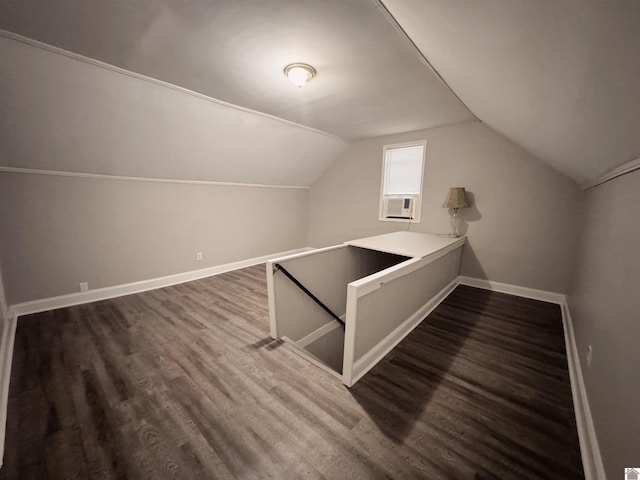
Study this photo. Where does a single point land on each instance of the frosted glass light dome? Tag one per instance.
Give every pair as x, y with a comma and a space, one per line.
299, 73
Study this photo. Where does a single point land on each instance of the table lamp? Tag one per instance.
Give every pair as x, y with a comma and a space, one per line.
456, 199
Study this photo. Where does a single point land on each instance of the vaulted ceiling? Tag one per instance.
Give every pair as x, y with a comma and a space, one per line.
561, 78
558, 77
370, 80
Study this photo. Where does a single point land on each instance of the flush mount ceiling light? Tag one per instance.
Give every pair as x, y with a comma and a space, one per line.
299, 73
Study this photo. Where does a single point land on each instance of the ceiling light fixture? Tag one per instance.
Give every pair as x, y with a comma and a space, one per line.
299, 73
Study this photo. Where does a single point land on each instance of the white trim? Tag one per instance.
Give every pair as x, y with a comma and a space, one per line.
416, 199
271, 298
351, 316
52, 303
589, 448
374, 281
611, 174
409, 244
6, 358
377, 353
318, 333
100, 176
525, 292
366, 285
352, 372
155, 81
305, 253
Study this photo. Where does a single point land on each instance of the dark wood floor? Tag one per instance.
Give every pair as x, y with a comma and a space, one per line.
184, 382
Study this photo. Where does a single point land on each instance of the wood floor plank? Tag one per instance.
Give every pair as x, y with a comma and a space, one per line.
185, 382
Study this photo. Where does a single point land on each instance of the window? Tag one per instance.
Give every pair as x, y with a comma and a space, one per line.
401, 190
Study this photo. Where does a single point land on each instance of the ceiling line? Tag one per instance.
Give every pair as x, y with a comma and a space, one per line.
102, 176
161, 83
425, 60
623, 169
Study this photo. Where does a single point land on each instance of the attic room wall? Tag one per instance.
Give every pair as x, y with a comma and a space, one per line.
604, 306
61, 114
521, 229
60, 231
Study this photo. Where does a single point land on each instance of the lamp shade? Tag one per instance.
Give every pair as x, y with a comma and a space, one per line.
456, 198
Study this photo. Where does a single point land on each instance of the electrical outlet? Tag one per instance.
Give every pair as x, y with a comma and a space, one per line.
589, 355
84, 286
199, 256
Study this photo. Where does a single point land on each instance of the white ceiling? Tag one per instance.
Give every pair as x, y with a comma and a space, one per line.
64, 115
558, 77
561, 78
370, 80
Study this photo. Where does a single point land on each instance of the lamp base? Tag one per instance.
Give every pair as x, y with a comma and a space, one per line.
455, 224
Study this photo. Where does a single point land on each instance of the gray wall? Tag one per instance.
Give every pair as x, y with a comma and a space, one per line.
605, 306
522, 226
326, 274
383, 310
59, 231
60, 113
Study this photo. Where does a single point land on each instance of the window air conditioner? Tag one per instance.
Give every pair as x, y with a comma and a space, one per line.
399, 207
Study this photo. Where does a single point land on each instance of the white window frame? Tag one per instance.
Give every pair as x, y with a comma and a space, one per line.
417, 199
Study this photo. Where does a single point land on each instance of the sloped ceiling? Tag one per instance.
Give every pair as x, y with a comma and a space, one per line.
370, 80
559, 77
64, 115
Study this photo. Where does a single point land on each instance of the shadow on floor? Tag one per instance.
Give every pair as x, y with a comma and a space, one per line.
397, 390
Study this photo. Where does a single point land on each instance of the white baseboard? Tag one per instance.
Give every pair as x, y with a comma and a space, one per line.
373, 356
318, 333
591, 457
589, 448
9, 326
105, 293
525, 292
6, 357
